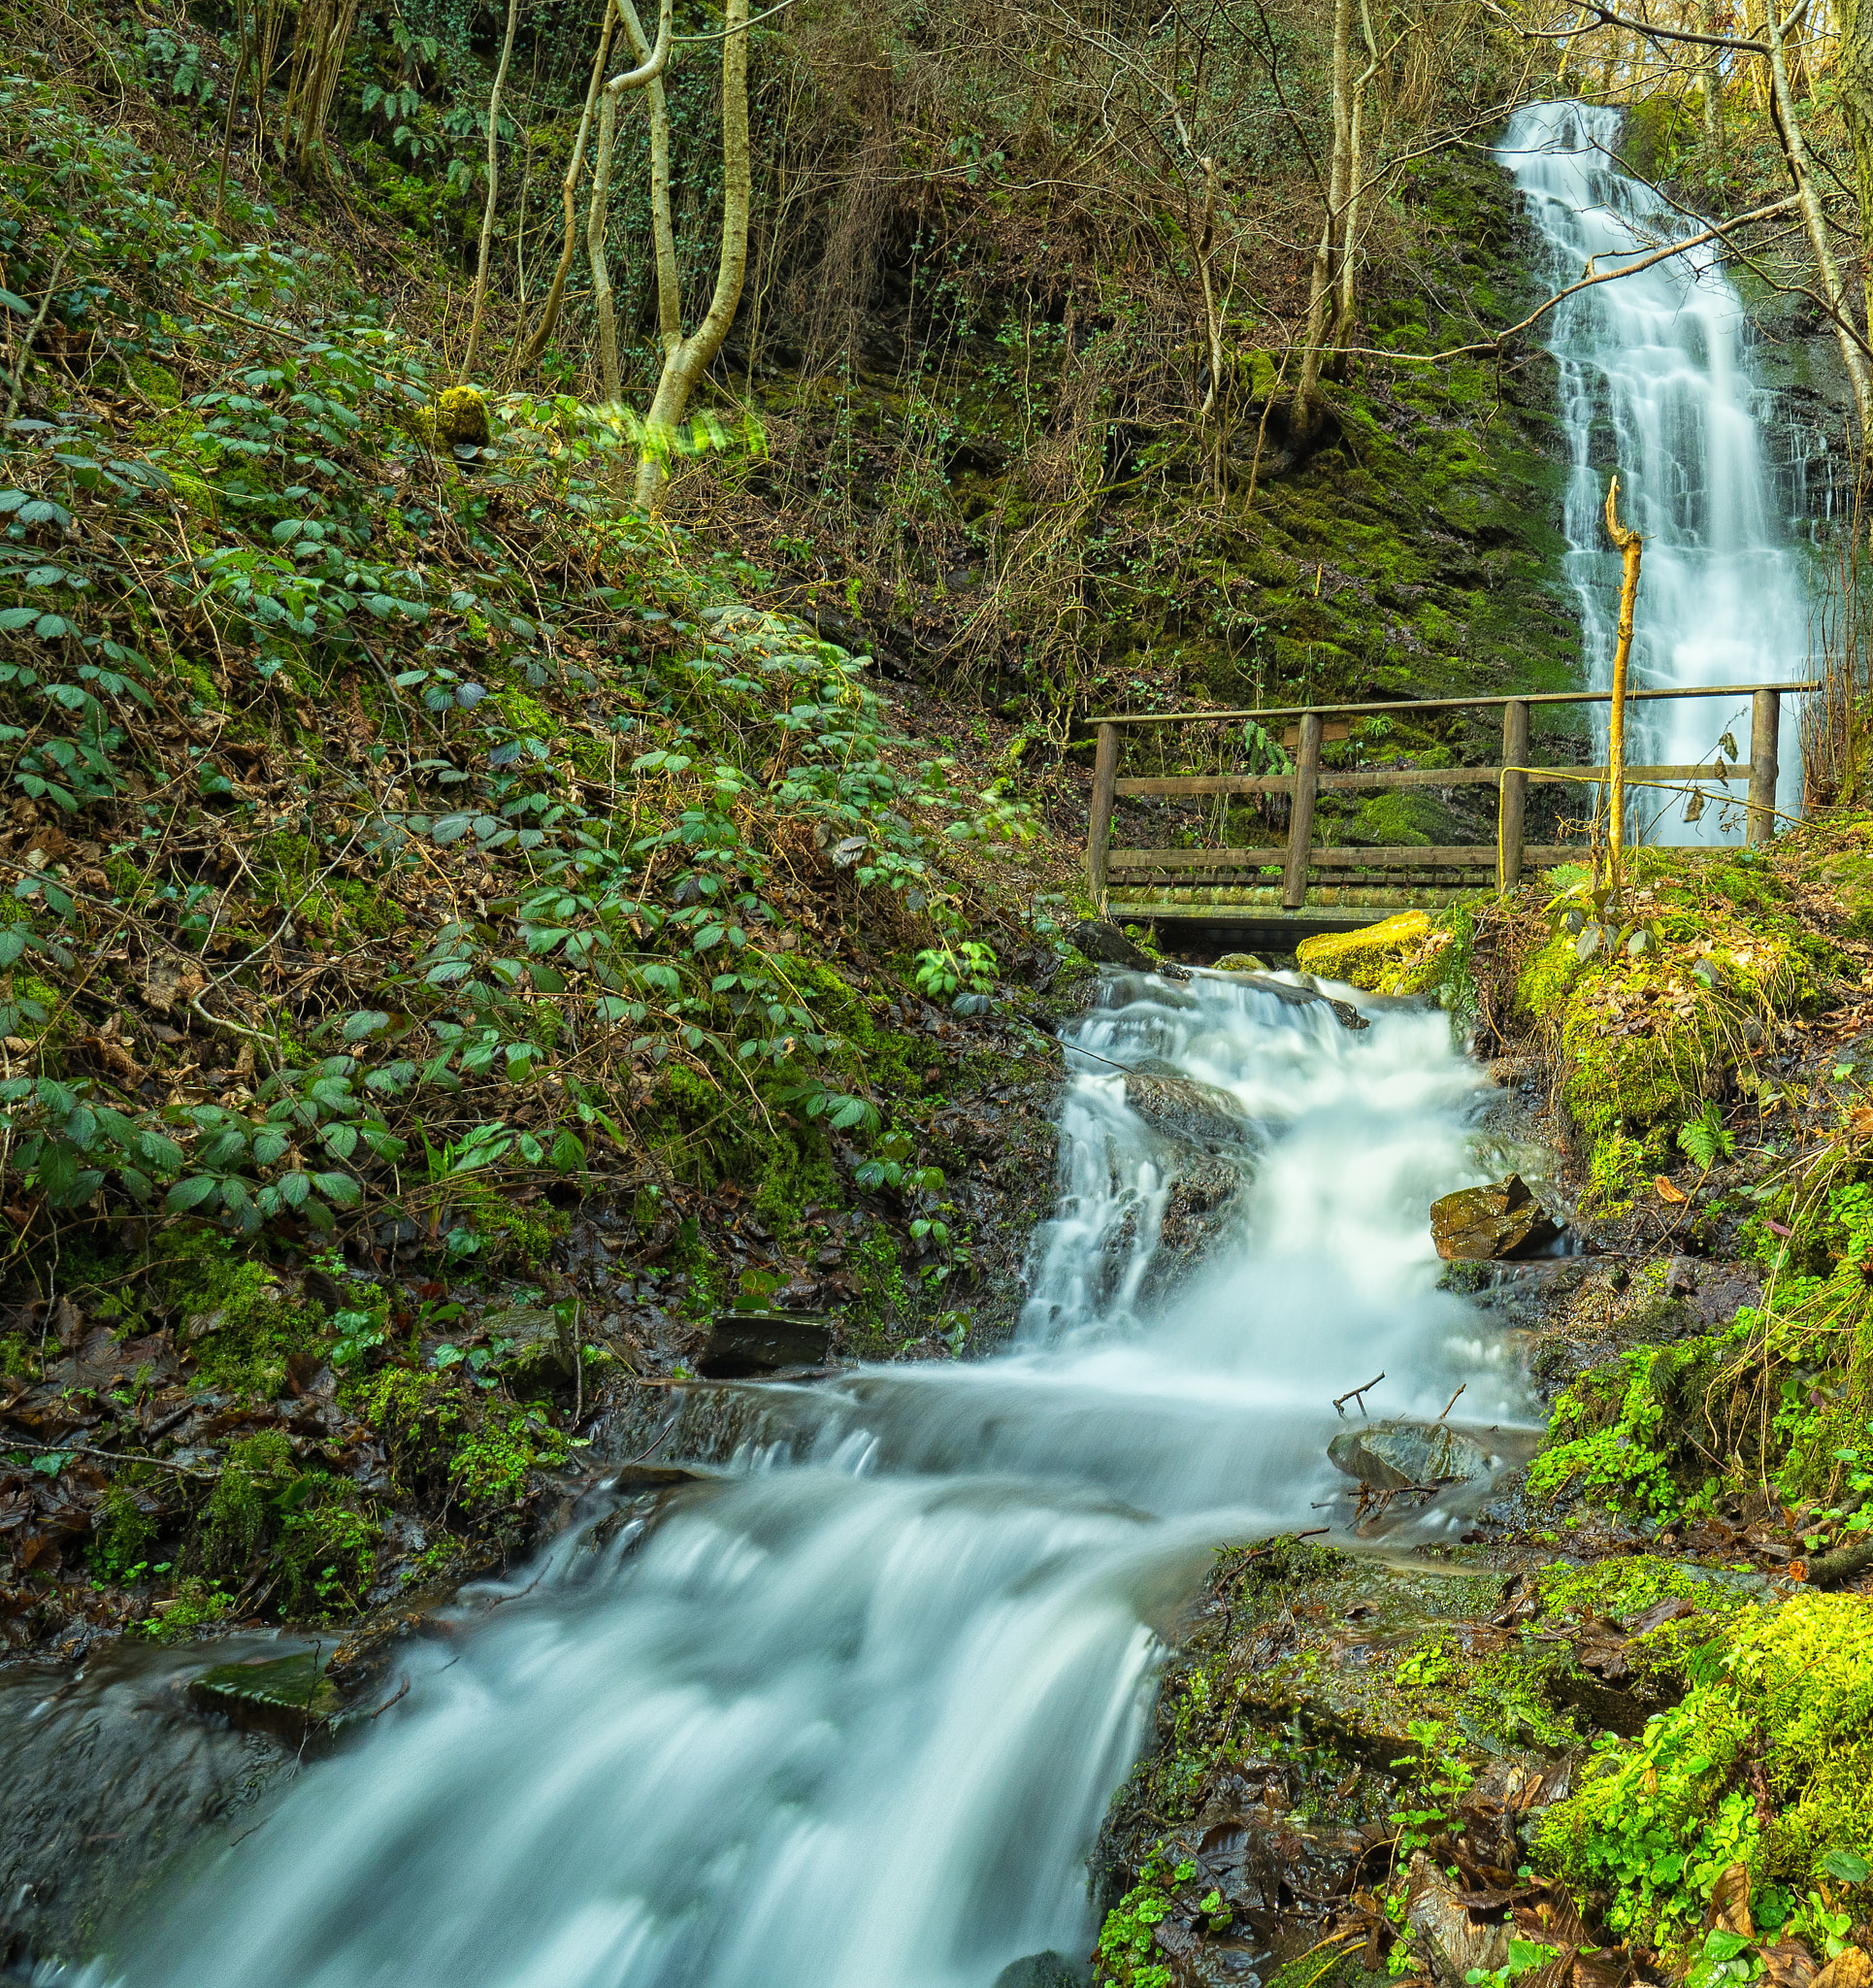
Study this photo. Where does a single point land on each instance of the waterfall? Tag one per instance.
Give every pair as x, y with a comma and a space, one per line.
851, 1712
1656, 382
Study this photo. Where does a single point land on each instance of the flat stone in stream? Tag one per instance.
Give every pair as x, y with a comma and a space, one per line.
1491, 1224
286, 1696
743, 1344
1387, 1456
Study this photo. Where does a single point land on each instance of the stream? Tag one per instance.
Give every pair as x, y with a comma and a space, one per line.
1657, 382
850, 1713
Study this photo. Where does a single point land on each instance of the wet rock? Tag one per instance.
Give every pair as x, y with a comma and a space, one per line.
1049, 1970
1198, 1115
537, 1335
108, 1776
1098, 938
742, 1344
1444, 1935
1487, 1224
1240, 963
287, 1697
1387, 1456
1202, 1208
1290, 995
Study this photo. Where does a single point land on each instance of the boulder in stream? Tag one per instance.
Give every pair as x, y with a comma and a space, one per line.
1198, 1115
743, 1344
1490, 1224
1387, 1456
1049, 1970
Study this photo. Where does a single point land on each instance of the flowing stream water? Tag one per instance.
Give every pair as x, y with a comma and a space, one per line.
848, 1714
1657, 382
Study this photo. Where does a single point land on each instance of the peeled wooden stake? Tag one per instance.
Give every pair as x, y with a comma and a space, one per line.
1628, 544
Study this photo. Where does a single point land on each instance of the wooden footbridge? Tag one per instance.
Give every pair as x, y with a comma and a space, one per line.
1275, 897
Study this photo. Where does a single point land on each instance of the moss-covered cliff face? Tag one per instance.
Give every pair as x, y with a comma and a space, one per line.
1408, 550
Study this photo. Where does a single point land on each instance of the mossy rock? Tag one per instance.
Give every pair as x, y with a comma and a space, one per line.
1365, 958
459, 419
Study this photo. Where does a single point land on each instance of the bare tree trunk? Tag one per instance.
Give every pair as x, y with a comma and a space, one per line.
1853, 83
479, 310
669, 302
319, 42
569, 191
598, 219
1710, 78
1355, 166
597, 216
1212, 318
686, 361
1320, 297
1794, 152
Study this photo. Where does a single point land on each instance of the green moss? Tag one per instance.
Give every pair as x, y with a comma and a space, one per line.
239, 1519
196, 1604
241, 1328
1787, 1695
124, 1534
1369, 957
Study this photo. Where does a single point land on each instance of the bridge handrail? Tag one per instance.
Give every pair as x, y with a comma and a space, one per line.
1513, 776
1339, 711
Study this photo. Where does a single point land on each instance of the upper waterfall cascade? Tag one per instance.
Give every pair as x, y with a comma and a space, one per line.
1656, 382
850, 1714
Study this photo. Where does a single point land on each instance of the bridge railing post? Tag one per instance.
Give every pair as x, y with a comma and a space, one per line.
1765, 724
1512, 805
1098, 826
1301, 820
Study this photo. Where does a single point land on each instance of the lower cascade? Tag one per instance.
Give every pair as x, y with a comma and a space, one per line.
850, 1713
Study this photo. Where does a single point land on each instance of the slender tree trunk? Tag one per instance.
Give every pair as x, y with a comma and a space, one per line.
1349, 234
669, 302
1320, 297
1794, 152
227, 123
1853, 83
685, 363
479, 310
647, 73
1212, 318
569, 191
597, 216
1710, 78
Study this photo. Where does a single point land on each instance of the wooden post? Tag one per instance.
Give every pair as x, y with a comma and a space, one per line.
1628, 544
1765, 723
1513, 803
1301, 820
1098, 826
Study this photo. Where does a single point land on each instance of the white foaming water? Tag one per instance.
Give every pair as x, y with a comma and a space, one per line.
1656, 382
850, 1720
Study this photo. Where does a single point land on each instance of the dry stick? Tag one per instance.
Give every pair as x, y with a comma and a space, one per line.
110, 1456
32, 332
1628, 544
487, 211
1452, 1403
1355, 1394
